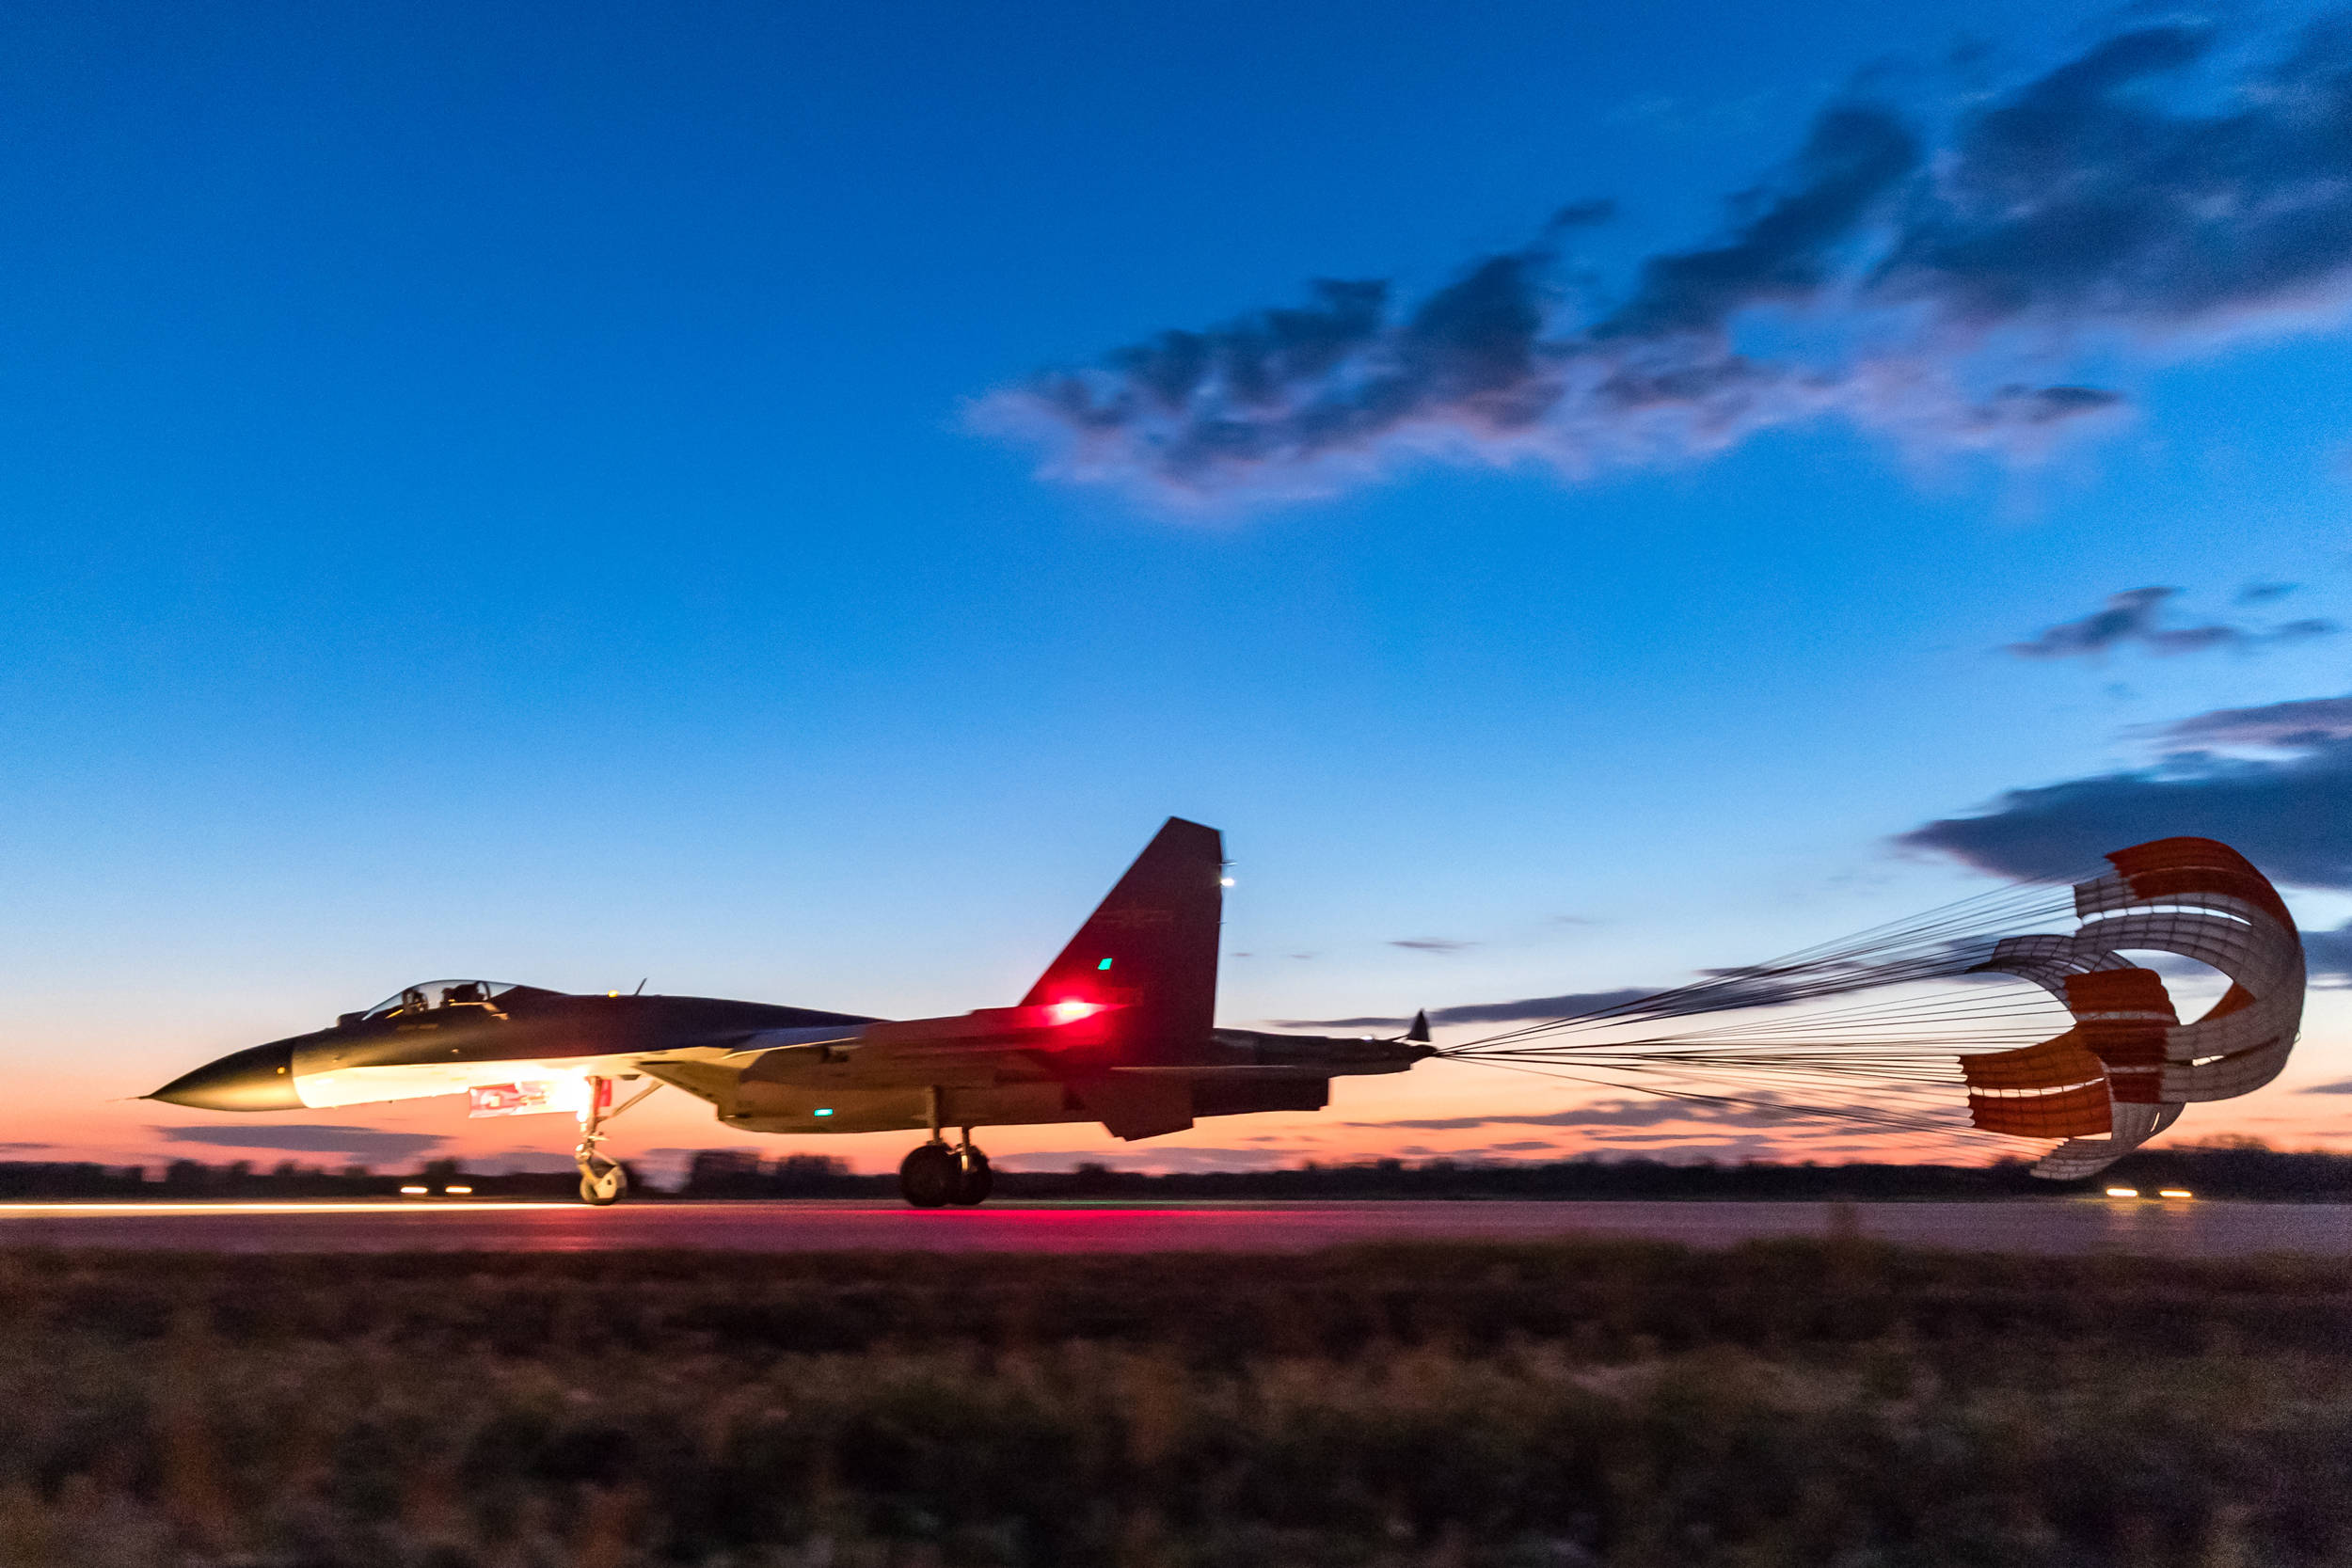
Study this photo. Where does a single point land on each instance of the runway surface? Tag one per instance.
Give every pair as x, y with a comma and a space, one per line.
2062, 1226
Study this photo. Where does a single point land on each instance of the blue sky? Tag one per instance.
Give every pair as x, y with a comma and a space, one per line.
508, 489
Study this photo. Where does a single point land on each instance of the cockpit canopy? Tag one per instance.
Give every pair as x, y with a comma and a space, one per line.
432, 994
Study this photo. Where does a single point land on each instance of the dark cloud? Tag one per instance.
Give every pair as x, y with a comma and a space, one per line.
1431, 944
2084, 197
2157, 196
360, 1142
2291, 814
2342, 1085
1574, 1004
1585, 215
1527, 1009
2265, 593
23, 1148
2328, 955
2134, 618
1855, 157
1717, 991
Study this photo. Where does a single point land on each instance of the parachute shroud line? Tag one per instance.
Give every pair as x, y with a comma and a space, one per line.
2119, 1070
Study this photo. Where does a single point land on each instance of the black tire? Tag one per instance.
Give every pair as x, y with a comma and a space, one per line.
975, 1179
929, 1178
604, 1187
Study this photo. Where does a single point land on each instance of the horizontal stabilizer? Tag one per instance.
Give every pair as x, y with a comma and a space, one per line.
1135, 1107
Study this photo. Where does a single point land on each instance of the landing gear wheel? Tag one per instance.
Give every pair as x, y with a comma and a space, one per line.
975, 1180
930, 1178
601, 1187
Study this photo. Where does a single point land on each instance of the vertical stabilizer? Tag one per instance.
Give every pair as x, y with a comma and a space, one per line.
1151, 948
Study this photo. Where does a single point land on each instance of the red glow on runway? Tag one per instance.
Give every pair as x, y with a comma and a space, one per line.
292, 1206
2055, 1224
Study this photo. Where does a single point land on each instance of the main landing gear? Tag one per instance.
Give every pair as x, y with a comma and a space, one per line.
938, 1174
602, 1180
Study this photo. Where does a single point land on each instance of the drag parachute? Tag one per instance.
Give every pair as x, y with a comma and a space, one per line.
1952, 1047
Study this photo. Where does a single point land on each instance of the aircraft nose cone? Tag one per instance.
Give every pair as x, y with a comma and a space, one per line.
259, 1079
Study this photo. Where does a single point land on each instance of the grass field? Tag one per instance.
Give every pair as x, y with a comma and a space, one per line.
1816, 1403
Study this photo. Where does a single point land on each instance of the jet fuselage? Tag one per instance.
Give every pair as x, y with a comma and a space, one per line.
1120, 1029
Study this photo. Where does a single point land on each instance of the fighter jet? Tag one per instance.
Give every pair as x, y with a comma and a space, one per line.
1120, 1029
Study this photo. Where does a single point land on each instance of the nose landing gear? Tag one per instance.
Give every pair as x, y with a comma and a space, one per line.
604, 1185
937, 1173
602, 1180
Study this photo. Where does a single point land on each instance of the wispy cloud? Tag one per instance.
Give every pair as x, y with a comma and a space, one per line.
360, 1143
1431, 944
2136, 618
2306, 722
1948, 285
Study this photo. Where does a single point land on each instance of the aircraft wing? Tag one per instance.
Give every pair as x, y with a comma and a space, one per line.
970, 1049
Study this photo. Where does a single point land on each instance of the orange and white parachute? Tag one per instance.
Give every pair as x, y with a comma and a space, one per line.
2122, 1073
1939, 1051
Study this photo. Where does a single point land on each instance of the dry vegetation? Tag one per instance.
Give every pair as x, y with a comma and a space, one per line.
1792, 1403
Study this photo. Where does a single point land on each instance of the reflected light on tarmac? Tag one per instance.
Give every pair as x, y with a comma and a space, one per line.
17, 1210
2056, 1224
